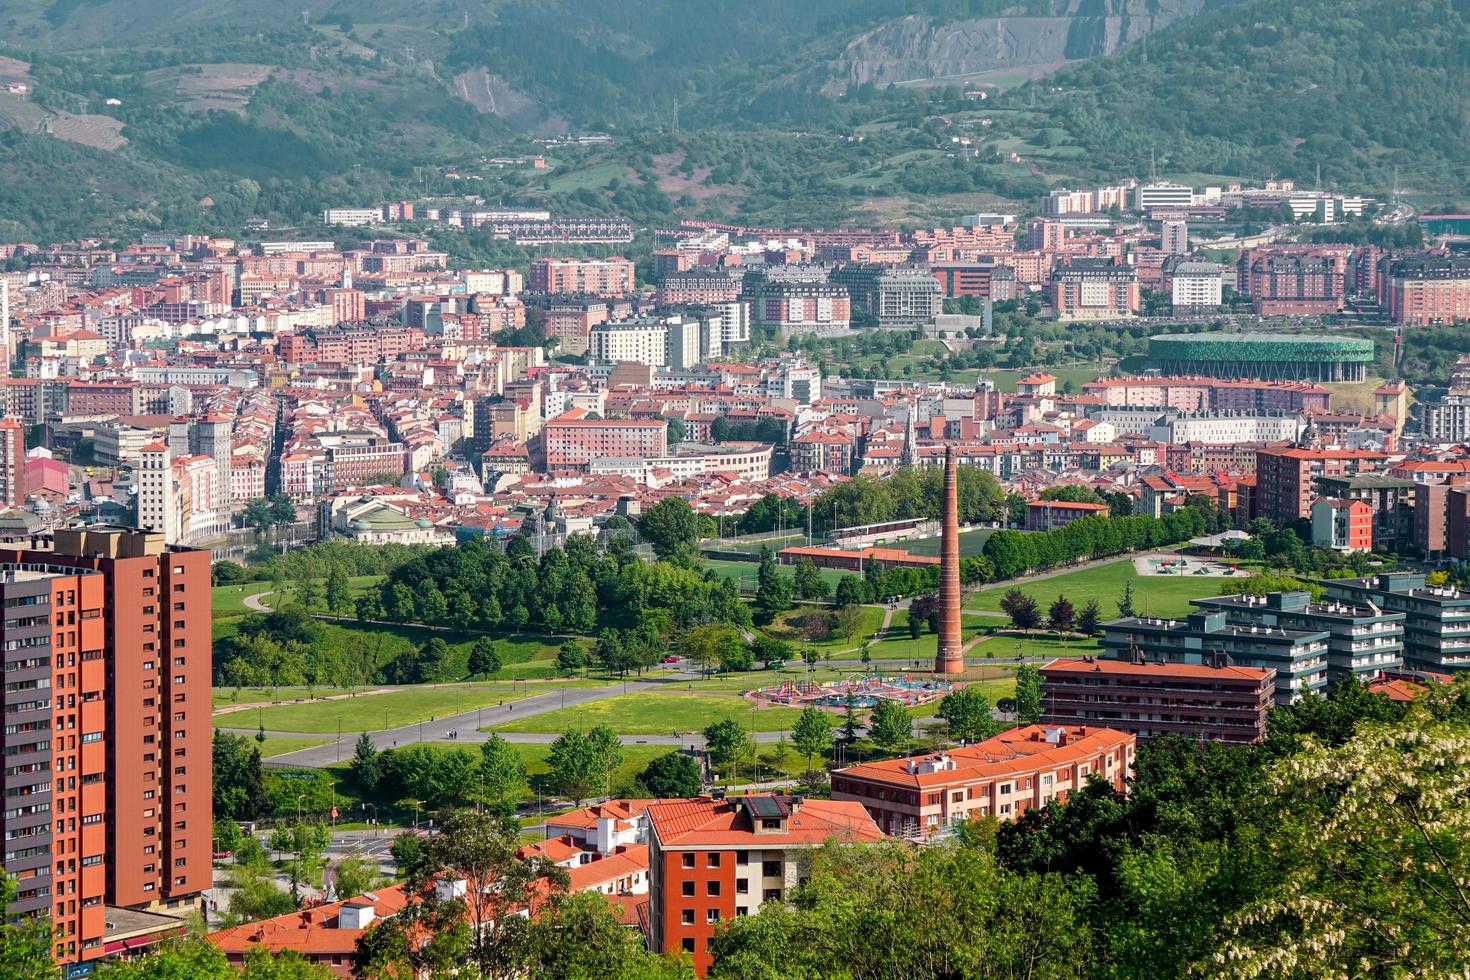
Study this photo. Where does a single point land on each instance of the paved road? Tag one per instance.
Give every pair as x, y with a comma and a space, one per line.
257, 603
466, 722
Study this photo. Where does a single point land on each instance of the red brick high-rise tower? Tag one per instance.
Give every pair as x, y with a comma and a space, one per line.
950, 659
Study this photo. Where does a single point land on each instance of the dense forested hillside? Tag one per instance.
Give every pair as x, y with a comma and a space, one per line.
1364, 89
199, 113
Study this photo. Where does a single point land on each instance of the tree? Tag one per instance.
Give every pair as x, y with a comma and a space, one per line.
809, 581
572, 656
772, 590
502, 775
967, 716
849, 719
354, 875
366, 767
484, 658
582, 762
1024, 612
671, 776
338, 595
578, 936
812, 733
1028, 694
195, 959
849, 621
1125, 601
889, 725
480, 926
677, 431
25, 941
1061, 615
670, 526
713, 645
849, 591
1089, 620
239, 782
1373, 835
727, 742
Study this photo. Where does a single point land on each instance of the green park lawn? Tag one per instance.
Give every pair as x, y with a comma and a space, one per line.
273, 747
871, 620
1153, 595
223, 697
897, 645
374, 712
657, 714
229, 600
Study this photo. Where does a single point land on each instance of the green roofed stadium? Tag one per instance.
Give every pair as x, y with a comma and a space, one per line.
1269, 356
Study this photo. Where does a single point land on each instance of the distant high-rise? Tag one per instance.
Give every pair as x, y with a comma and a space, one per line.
950, 659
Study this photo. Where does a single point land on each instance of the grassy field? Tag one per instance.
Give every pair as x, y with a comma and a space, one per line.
272, 747
1000, 647
657, 714
897, 645
971, 543
229, 600
379, 711
224, 696
871, 620
1153, 595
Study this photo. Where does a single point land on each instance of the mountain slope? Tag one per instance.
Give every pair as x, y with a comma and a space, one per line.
1362, 89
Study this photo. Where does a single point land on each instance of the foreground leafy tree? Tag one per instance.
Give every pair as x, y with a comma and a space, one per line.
197, 960
890, 910
578, 936
479, 849
1375, 834
25, 944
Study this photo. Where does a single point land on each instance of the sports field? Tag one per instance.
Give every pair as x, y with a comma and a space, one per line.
1153, 595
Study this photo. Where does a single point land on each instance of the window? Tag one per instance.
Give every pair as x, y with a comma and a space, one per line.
712, 888
742, 887
686, 888
771, 869
689, 944
771, 895
711, 915
687, 917
714, 859
688, 859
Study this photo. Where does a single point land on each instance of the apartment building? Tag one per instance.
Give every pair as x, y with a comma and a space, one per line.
1299, 657
1286, 477
598, 277
1001, 777
1436, 619
13, 489
1195, 286
571, 321
643, 341
118, 627
713, 860
1048, 515
785, 307
1215, 701
1426, 289
1086, 288
573, 441
1363, 641
1342, 525
892, 296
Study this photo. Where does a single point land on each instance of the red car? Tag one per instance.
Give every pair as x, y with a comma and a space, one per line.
672, 659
